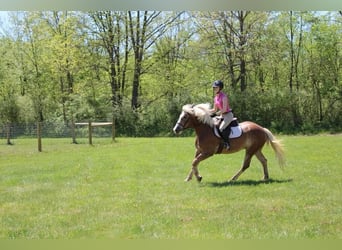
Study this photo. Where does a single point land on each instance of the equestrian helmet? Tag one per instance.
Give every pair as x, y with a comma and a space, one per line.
218, 83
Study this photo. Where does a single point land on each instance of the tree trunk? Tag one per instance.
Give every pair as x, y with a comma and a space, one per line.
291, 53
138, 40
242, 42
135, 90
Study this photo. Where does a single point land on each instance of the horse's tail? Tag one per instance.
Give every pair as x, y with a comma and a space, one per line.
277, 147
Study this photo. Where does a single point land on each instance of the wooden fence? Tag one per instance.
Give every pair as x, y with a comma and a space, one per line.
96, 124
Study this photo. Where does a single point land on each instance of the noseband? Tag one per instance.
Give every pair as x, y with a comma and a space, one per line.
181, 126
179, 123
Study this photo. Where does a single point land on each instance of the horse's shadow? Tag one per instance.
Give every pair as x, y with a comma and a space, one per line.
245, 183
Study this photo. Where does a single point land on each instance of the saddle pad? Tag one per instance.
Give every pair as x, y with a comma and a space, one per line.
234, 132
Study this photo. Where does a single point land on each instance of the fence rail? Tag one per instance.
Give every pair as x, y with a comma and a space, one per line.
55, 130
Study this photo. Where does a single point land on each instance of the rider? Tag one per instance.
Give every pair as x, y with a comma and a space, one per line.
221, 104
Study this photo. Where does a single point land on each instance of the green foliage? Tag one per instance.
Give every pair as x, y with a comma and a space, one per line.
9, 110
280, 111
281, 69
155, 120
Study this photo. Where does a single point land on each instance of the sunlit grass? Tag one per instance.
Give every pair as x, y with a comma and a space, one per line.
134, 188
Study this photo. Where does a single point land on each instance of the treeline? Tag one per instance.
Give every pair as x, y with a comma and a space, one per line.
280, 69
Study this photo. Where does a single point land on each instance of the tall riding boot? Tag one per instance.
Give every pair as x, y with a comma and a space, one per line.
225, 135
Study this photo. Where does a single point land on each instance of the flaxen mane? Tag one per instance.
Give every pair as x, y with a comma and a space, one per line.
201, 111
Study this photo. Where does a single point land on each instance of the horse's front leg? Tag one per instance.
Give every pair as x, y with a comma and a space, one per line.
194, 170
191, 173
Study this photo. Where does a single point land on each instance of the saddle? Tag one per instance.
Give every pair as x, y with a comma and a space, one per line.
233, 130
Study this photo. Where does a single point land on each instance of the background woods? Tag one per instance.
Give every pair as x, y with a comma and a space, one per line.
281, 69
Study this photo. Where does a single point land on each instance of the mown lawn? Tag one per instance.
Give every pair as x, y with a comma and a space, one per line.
134, 189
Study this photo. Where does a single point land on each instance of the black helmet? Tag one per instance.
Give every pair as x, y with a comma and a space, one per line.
218, 83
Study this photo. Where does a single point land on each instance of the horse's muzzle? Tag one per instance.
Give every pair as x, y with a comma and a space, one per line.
178, 128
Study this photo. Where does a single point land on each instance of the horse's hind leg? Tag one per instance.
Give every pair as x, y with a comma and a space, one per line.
245, 165
263, 161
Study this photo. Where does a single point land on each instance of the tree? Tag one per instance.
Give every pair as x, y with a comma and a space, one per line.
231, 33
65, 47
145, 29
31, 37
9, 108
325, 68
281, 68
110, 28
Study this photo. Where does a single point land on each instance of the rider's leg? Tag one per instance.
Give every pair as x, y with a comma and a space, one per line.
227, 119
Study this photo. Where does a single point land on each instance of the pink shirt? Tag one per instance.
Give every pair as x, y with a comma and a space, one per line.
218, 100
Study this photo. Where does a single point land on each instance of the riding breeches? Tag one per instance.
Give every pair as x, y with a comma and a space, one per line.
227, 118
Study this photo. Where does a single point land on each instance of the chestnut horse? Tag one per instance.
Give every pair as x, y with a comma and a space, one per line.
252, 139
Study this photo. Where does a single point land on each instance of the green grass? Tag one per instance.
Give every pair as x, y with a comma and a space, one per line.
134, 188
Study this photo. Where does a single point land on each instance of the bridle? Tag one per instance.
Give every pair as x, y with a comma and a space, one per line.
180, 124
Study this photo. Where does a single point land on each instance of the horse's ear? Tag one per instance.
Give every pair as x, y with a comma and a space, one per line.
192, 108
189, 108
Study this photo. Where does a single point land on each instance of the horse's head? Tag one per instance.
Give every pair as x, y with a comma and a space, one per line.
184, 120
192, 116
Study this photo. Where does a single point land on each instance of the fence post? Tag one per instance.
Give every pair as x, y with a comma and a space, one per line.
8, 133
39, 135
90, 133
73, 133
113, 129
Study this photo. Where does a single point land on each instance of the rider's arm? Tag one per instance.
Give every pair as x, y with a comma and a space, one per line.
214, 110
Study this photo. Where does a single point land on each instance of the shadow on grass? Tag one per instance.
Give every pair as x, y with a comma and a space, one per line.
246, 183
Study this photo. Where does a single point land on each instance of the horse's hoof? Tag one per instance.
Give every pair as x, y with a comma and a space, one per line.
187, 179
199, 179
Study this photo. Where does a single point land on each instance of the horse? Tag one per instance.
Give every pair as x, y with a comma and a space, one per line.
252, 139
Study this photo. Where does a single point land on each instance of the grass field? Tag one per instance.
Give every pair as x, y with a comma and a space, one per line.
134, 188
